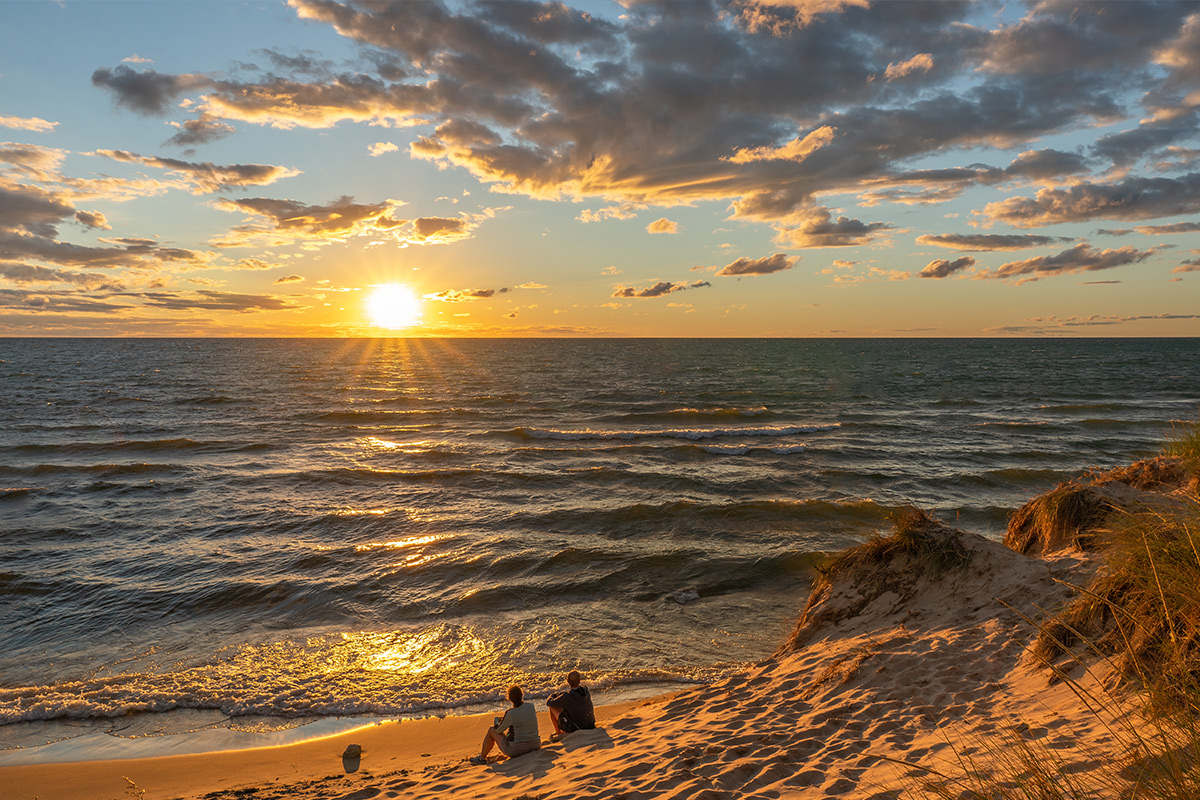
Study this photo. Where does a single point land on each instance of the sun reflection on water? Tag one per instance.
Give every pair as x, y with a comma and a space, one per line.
418, 653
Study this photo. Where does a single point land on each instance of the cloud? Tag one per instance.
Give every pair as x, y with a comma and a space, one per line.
797, 149
439, 230
1189, 266
759, 266
31, 273
462, 295
379, 148
136, 59
815, 227
779, 16
207, 177
663, 225
921, 62
531, 286
1131, 198
200, 130
146, 92
1080, 258
92, 219
1057, 324
34, 124
989, 241
1176, 227
611, 212
252, 263
216, 301
290, 279
31, 161
659, 289
944, 269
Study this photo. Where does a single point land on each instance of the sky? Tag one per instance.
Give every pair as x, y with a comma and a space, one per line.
729, 168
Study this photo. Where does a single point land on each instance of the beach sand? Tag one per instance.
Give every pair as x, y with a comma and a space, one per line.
897, 674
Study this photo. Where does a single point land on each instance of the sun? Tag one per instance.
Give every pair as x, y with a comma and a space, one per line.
392, 305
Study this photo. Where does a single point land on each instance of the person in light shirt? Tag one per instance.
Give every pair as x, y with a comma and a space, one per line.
516, 733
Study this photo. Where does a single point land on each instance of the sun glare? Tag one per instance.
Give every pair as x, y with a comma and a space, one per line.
393, 306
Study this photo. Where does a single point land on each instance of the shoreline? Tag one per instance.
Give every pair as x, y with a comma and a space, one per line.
389, 747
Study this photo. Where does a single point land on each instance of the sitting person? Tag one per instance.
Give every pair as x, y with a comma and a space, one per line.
516, 733
572, 710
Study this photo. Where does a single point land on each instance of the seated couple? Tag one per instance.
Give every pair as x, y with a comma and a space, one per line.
516, 733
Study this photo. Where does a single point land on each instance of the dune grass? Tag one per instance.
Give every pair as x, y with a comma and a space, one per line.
1140, 613
1064, 516
935, 548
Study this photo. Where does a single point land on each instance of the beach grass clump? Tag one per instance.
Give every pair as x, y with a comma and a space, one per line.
1066, 516
1164, 473
1183, 443
1141, 610
934, 547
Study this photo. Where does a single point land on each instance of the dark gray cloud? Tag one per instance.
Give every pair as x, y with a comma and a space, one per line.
1129, 199
215, 301
981, 242
276, 221
207, 177
659, 289
32, 210
1080, 258
290, 279
304, 62
57, 302
92, 219
759, 266
942, 268
148, 91
18, 272
1176, 227
200, 130
131, 254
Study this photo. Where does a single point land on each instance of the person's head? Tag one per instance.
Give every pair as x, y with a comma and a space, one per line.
573, 679
515, 695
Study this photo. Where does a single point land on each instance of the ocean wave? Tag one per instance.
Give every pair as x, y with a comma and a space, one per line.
696, 414
96, 470
667, 433
743, 449
637, 516
206, 400
1072, 408
352, 675
138, 445
1014, 425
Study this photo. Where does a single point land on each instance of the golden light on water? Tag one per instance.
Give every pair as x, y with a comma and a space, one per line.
393, 305
418, 653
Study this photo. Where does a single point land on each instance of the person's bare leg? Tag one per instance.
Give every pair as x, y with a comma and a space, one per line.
489, 741
554, 712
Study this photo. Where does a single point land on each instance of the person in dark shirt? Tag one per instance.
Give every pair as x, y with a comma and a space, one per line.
572, 710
